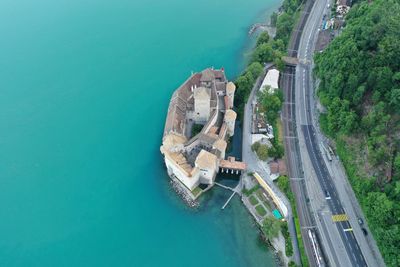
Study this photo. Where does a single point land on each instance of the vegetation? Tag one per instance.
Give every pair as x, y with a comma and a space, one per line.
248, 192
270, 105
196, 128
260, 210
271, 227
260, 193
283, 183
196, 191
267, 50
253, 200
360, 87
288, 240
261, 150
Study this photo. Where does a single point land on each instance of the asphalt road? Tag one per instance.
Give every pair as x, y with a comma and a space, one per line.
304, 116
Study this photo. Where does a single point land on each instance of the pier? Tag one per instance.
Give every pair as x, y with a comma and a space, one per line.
234, 191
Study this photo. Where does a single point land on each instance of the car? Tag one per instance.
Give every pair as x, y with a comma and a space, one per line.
360, 221
327, 195
364, 231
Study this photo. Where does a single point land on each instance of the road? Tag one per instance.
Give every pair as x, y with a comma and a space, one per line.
254, 164
339, 241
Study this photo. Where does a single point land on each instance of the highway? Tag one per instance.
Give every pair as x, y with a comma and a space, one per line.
306, 163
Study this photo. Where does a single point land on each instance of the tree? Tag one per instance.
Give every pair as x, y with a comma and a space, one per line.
261, 150
271, 227
271, 104
263, 38
263, 53
255, 69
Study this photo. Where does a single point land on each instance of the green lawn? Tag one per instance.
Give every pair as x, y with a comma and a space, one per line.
253, 200
196, 191
250, 191
265, 201
260, 210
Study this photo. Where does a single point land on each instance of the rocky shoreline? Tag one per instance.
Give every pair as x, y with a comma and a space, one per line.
184, 194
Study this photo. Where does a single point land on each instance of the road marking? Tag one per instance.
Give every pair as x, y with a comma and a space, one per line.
340, 217
296, 178
348, 230
328, 198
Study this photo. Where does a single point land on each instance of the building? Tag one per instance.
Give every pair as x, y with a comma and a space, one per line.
206, 98
270, 81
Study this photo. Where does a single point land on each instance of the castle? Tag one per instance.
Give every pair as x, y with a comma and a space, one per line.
205, 99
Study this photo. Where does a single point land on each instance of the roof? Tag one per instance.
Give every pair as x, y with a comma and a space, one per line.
278, 167
171, 140
277, 214
231, 163
207, 75
206, 160
220, 144
202, 92
274, 167
230, 87
271, 79
282, 167
230, 115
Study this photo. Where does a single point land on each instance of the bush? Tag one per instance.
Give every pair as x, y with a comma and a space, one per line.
260, 210
271, 227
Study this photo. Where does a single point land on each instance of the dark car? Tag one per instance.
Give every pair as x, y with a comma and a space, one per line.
364, 231
327, 195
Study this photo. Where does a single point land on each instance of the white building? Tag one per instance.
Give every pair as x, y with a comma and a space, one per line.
270, 81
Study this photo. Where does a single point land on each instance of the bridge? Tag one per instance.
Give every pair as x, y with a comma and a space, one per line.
232, 166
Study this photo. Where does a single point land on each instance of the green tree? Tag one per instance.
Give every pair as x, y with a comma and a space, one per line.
263, 38
271, 227
263, 53
255, 69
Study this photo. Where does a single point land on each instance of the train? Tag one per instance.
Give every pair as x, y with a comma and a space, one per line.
316, 250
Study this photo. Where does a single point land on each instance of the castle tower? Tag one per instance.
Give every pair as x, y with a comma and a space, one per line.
229, 119
230, 92
202, 110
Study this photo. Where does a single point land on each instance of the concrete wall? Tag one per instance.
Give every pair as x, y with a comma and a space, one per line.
189, 182
207, 176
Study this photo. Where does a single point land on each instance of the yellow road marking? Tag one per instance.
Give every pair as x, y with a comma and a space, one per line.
340, 217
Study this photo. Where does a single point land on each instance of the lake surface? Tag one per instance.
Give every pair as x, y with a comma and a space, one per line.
84, 89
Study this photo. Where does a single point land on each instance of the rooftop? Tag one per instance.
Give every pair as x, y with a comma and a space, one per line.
206, 160
231, 163
271, 79
230, 114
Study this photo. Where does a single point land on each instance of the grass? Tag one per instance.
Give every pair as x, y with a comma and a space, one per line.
253, 200
284, 186
260, 210
288, 240
304, 260
248, 192
196, 191
260, 196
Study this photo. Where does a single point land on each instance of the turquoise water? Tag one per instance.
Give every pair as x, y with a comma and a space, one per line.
84, 88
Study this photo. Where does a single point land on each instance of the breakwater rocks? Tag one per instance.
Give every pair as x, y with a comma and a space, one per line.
184, 194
